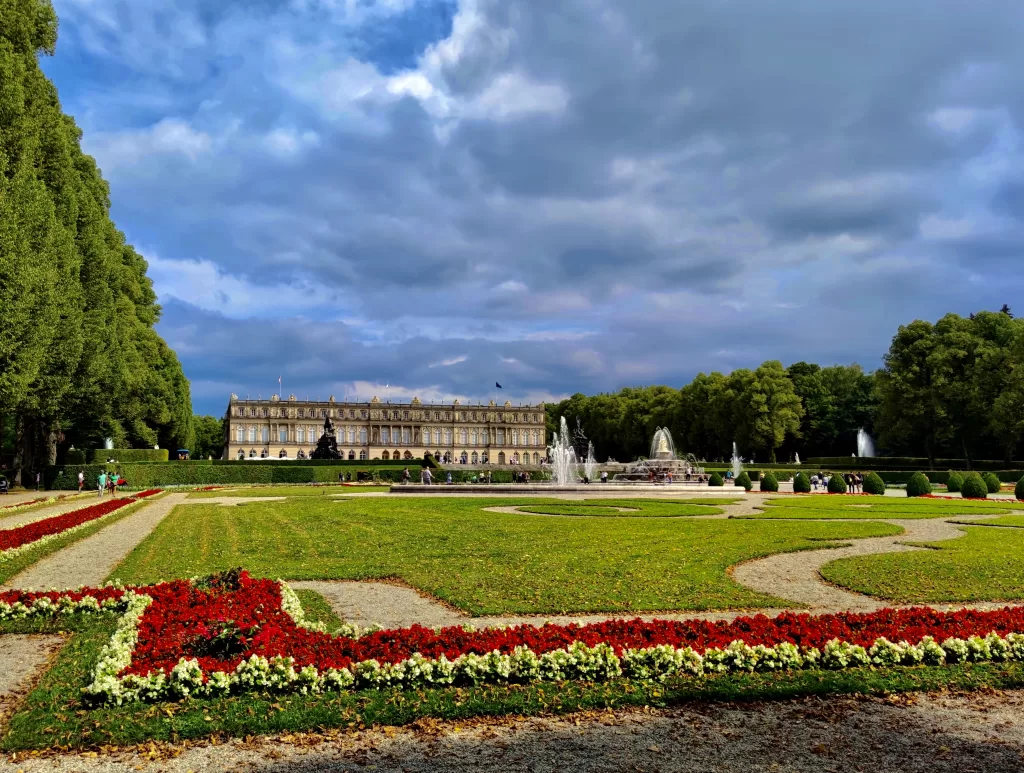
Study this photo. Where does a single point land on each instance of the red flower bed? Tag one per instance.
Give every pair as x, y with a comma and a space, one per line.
187, 621
27, 597
30, 532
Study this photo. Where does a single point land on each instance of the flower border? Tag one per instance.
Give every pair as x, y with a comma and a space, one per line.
10, 553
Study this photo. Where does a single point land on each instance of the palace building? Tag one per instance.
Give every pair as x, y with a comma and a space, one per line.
460, 434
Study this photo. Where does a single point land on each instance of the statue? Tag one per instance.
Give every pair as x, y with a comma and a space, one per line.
661, 449
327, 445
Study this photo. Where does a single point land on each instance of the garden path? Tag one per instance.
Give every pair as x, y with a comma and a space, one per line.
21, 659
20, 518
934, 733
91, 560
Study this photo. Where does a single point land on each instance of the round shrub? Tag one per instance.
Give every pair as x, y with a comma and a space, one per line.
954, 482
918, 485
769, 482
1019, 490
715, 480
802, 484
744, 480
836, 484
974, 487
992, 481
873, 484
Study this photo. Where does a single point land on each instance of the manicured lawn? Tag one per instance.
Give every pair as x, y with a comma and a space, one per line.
288, 491
482, 562
609, 508
52, 714
1016, 521
823, 507
985, 565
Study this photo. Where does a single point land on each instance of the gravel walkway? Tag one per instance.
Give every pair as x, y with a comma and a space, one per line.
13, 520
21, 659
909, 734
91, 560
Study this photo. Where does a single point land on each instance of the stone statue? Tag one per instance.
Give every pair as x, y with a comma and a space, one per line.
662, 450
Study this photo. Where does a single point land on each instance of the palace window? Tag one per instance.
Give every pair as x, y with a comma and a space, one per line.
513, 437
474, 458
362, 455
265, 435
252, 453
241, 411
283, 454
362, 414
463, 437
536, 458
300, 435
241, 454
501, 439
240, 434
464, 458
385, 436
501, 457
351, 436
302, 413
447, 437
515, 458
252, 434
385, 455
406, 436
351, 456
264, 454
362, 441
264, 413
405, 415
475, 439
351, 413
282, 435
464, 415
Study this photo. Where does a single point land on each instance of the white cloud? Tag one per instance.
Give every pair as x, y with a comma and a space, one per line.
512, 95
449, 362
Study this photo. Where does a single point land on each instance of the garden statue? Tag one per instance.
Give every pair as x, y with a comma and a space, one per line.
327, 445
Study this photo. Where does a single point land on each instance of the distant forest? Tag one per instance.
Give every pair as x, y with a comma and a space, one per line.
949, 389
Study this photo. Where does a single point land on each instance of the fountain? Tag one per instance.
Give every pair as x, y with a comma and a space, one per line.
797, 455
737, 463
327, 445
662, 463
865, 444
563, 458
590, 465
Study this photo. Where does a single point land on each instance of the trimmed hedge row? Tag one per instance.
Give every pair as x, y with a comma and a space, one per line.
183, 473
127, 455
904, 463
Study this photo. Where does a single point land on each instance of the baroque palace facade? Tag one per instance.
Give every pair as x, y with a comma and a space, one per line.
460, 434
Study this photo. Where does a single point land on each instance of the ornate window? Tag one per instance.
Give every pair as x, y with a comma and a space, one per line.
405, 415
252, 434
264, 454
265, 435
241, 411
282, 435
323, 413
252, 453
437, 416
252, 411
240, 434
464, 415
406, 436
385, 436
241, 454
385, 455
515, 458
463, 437
264, 413
514, 436
351, 455
501, 456
352, 436
501, 440
362, 441
475, 458
300, 435
464, 458
283, 454
536, 458
474, 438
447, 437
362, 455
362, 414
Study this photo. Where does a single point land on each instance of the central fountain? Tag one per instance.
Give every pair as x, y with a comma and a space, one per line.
663, 464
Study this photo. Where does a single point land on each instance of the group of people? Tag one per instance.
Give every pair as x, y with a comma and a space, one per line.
104, 481
854, 482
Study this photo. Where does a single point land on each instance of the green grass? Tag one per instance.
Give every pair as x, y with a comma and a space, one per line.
1013, 521
483, 562
288, 491
317, 608
821, 507
25, 559
53, 716
632, 508
985, 565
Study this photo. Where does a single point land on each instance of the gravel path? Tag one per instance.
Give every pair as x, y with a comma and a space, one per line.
13, 520
21, 659
909, 734
91, 560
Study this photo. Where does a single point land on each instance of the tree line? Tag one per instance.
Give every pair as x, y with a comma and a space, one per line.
949, 389
80, 360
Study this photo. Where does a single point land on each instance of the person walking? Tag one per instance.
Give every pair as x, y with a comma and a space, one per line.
101, 482
81, 480
112, 482
405, 475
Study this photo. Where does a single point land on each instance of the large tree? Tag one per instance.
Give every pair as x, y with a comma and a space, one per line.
769, 408
79, 358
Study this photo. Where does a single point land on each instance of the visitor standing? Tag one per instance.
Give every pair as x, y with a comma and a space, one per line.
81, 481
112, 482
38, 477
604, 476
405, 475
101, 482
448, 479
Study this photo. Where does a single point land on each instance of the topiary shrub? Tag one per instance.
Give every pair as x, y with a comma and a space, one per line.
974, 487
918, 485
715, 480
873, 484
954, 481
769, 482
992, 481
801, 483
836, 484
1019, 490
744, 480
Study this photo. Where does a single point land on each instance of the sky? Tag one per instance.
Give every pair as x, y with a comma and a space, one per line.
558, 195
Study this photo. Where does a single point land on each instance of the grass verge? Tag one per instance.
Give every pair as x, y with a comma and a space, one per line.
985, 564
288, 491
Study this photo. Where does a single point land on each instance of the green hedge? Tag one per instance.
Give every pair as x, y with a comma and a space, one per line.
145, 475
127, 455
942, 477
904, 463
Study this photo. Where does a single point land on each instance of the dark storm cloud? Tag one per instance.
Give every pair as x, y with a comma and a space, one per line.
586, 194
